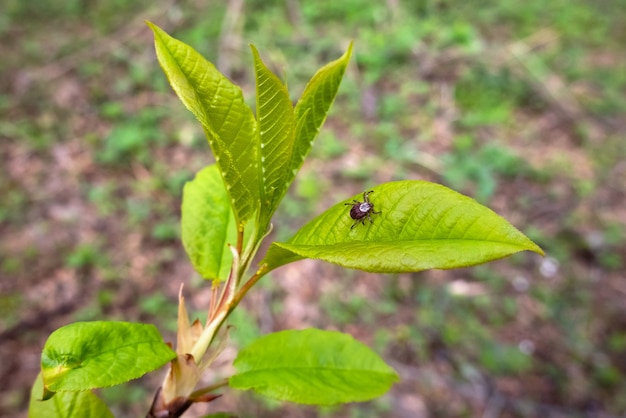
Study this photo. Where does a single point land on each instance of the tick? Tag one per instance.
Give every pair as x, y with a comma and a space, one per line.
361, 211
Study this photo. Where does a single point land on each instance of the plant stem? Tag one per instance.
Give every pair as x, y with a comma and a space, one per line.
247, 286
224, 309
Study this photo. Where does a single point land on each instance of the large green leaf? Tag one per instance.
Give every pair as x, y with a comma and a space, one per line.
276, 122
312, 108
228, 122
312, 367
66, 404
422, 226
88, 355
208, 224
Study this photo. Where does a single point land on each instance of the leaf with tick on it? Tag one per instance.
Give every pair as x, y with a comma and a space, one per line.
228, 122
422, 226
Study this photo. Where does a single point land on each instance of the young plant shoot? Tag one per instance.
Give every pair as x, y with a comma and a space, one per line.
227, 209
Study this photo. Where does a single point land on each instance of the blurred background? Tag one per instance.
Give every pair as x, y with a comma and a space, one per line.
521, 105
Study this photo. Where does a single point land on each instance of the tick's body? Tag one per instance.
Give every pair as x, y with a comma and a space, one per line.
361, 211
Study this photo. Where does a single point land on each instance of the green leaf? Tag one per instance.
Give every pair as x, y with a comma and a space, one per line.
312, 108
66, 404
228, 122
276, 121
286, 134
312, 367
422, 226
88, 355
208, 224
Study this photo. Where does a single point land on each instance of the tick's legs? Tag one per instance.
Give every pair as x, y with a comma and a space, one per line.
366, 196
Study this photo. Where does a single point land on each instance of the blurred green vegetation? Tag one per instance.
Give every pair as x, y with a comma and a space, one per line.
520, 105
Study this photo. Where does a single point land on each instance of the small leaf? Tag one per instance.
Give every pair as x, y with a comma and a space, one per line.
208, 224
276, 121
312, 367
66, 404
228, 121
88, 355
421, 226
312, 108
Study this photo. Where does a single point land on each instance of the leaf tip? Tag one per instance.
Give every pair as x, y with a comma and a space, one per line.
537, 249
350, 47
529, 245
156, 31
150, 25
47, 394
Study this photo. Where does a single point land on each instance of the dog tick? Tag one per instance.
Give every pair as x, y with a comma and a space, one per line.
361, 211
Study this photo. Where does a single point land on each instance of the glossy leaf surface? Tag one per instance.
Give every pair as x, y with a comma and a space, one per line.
276, 122
312, 367
422, 226
228, 121
312, 108
88, 355
208, 224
